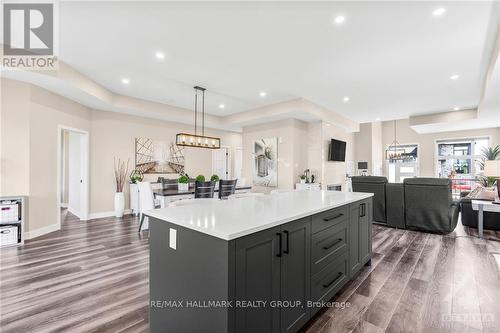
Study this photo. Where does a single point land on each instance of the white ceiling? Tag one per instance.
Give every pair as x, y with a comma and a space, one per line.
393, 59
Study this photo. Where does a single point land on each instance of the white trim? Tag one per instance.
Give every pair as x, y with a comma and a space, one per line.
74, 212
83, 215
64, 205
100, 215
41, 231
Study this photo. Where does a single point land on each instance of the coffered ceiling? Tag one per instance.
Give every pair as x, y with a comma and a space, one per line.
391, 59
364, 60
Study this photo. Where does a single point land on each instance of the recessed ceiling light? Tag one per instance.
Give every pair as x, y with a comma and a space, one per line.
456, 108
262, 94
221, 106
160, 55
377, 119
438, 11
339, 19
125, 80
454, 77
346, 99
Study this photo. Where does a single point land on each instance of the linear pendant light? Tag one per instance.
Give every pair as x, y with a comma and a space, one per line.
195, 140
394, 146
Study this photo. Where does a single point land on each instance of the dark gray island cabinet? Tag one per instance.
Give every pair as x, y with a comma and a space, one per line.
269, 280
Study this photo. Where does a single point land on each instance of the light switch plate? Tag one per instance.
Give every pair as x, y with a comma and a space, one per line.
173, 239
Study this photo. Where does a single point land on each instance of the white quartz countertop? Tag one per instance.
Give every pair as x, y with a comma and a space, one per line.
230, 219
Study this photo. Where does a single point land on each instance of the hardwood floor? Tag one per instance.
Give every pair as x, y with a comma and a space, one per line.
89, 277
93, 277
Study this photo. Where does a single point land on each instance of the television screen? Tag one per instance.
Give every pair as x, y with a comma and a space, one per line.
337, 151
362, 165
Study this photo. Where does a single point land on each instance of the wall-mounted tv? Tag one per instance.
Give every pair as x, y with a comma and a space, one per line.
336, 150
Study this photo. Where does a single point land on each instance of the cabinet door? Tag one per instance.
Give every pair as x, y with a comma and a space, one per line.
257, 270
365, 232
295, 274
354, 255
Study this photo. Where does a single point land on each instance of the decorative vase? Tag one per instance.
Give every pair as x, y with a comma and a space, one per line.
183, 187
119, 204
302, 181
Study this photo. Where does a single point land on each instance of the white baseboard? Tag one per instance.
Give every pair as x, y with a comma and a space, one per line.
41, 231
74, 211
101, 215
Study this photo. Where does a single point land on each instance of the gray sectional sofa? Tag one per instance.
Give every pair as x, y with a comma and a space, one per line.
422, 204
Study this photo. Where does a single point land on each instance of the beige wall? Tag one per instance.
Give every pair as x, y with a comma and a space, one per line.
15, 138
65, 167
363, 149
287, 132
47, 112
31, 116
29, 139
377, 150
301, 146
334, 172
113, 135
426, 142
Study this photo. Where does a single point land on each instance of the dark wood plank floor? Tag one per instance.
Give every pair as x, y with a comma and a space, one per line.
93, 277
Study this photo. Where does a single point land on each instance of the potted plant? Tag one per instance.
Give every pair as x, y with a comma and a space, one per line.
302, 179
183, 183
136, 176
488, 154
120, 172
200, 178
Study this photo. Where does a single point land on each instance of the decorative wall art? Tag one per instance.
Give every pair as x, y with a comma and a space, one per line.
155, 156
265, 171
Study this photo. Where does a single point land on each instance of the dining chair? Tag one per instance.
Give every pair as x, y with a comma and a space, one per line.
169, 184
204, 189
226, 188
245, 195
146, 200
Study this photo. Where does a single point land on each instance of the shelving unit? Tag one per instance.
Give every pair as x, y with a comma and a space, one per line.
12, 219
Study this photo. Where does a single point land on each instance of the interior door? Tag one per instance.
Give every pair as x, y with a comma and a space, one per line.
221, 163
238, 163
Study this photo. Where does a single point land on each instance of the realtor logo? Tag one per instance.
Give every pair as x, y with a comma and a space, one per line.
28, 29
29, 36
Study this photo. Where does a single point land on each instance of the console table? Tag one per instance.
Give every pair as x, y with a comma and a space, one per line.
483, 206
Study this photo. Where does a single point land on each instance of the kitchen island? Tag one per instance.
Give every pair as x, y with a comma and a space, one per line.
255, 264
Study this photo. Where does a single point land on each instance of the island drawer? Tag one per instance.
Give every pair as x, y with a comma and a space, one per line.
329, 218
326, 283
327, 245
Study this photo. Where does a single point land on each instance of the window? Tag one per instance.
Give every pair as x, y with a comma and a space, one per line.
460, 158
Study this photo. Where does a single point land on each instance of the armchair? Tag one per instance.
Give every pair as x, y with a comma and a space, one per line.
429, 205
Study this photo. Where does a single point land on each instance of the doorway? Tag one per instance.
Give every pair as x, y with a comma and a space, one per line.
221, 162
72, 194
